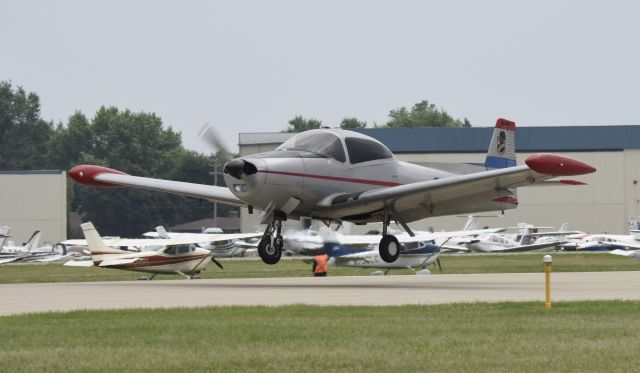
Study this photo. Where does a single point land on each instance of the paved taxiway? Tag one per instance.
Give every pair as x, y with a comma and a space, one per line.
373, 290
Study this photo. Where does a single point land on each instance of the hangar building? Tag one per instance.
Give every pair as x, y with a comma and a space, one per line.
34, 200
607, 204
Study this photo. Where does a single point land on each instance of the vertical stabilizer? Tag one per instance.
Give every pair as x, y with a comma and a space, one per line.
33, 242
4, 234
502, 150
162, 233
471, 224
94, 241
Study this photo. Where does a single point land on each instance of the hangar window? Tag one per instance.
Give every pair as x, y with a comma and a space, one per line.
324, 144
363, 150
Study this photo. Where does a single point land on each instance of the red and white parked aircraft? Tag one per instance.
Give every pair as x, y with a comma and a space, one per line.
338, 175
164, 256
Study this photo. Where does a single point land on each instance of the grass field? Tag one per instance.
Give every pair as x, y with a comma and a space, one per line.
521, 263
513, 337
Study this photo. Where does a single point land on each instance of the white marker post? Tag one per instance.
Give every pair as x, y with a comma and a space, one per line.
547, 274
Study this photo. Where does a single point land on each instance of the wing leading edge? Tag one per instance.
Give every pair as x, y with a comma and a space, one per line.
103, 177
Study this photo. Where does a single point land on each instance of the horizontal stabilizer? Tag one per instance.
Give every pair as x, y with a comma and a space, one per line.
115, 262
79, 263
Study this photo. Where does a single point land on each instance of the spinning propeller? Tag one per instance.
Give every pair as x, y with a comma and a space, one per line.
237, 168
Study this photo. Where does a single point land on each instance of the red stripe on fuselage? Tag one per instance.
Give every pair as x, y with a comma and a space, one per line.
334, 178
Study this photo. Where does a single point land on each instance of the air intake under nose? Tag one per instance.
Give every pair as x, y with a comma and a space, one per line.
239, 168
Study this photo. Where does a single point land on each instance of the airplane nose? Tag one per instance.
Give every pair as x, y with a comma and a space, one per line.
239, 168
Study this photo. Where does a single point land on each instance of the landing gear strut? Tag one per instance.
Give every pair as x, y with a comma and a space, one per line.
270, 246
389, 247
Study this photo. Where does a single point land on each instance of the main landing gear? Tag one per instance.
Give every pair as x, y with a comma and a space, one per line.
270, 246
389, 247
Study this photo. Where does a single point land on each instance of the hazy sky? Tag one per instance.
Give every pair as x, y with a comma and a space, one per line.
252, 66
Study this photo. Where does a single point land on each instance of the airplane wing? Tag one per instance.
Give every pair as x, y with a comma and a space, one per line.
632, 253
103, 177
79, 263
10, 260
404, 237
531, 247
447, 195
621, 244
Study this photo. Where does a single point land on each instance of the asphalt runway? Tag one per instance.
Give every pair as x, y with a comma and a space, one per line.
352, 290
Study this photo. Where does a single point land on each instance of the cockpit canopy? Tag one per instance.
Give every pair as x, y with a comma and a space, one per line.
329, 145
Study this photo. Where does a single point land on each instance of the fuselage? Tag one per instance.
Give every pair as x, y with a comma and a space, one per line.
173, 259
323, 166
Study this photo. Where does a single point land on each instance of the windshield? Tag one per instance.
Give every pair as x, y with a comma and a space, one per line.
324, 144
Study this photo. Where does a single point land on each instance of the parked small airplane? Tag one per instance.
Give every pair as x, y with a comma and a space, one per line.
495, 242
413, 256
221, 248
337, 175
603, 242
164, 256
361, 251
31, 252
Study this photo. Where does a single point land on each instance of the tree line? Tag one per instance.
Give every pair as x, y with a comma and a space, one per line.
136, 143
139, 144
421, 114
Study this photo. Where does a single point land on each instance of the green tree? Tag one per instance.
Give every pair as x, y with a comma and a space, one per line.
422, 114
348, 123
300, 124
139, 144
23, 134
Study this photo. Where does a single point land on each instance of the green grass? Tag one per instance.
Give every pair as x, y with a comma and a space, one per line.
509, 337
521, 263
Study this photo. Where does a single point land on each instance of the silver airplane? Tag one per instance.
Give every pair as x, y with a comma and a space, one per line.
337, 175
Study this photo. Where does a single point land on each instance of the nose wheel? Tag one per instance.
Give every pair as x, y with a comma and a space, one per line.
270, 246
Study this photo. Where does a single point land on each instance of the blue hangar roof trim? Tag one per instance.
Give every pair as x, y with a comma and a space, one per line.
528, 139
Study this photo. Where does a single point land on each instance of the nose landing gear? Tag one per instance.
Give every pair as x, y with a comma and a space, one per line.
270, 246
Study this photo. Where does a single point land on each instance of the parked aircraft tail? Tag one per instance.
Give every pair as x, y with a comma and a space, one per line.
502, 150
4, 234
162, 233
33, 241
94, 241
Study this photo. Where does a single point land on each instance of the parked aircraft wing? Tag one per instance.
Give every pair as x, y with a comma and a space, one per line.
446, 195
103, 177
532, 247
632, 253
404, 238
10, 260
621, 244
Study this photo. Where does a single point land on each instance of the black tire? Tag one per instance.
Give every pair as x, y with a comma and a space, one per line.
270, 254
389, 248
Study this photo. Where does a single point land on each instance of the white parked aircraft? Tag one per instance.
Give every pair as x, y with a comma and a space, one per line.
221, 248
361, 251
604, 242
494, 243
163, 256
31, 251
